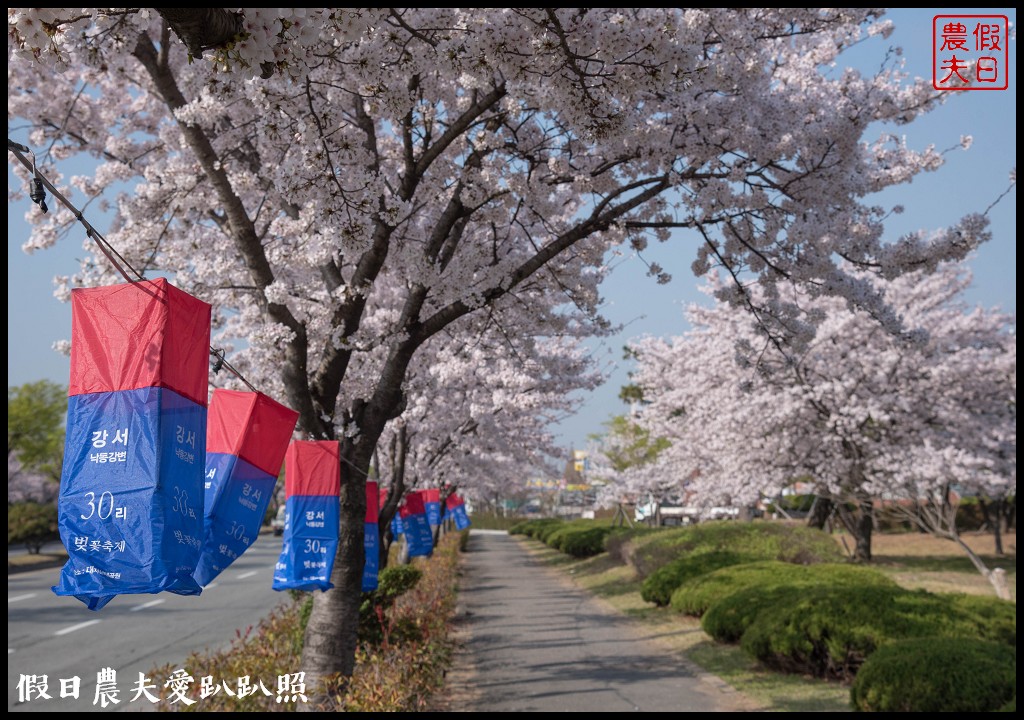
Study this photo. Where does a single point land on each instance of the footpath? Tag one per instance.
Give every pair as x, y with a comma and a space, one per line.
533, 642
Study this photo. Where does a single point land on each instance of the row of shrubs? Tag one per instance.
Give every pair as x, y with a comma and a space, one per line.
578, 538
785, 595
403, 654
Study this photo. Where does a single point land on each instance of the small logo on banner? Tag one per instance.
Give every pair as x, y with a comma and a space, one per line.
970, 52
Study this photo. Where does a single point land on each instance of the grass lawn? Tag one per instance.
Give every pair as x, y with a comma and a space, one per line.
912, 559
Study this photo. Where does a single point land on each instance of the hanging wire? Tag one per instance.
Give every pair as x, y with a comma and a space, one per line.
37, 193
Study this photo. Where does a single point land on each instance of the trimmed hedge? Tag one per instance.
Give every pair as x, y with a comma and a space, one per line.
659, 586
531, 528
830, 631
583, 542
756, 540
579, 538
695, 597
937, 674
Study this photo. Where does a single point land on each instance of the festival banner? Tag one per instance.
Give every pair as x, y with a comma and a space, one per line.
456, 507
371, 537
414, 522
130, 511
312, 482
247, 436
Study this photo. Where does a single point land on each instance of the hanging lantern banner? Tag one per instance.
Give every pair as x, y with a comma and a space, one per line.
312, 482
456, 507
417, 530
247, 436
371, 538
130, 511
432, 502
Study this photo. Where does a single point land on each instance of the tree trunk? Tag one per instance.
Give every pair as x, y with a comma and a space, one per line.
997, 527
328, 654
821, 511
859, 523
997, 577
865, 526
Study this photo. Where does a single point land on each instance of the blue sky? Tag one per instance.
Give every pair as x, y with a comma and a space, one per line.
969, 181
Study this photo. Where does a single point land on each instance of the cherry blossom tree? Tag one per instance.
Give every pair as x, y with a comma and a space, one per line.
345, 184
480, 403
869, 415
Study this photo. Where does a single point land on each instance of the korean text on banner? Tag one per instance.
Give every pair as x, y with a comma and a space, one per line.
456, 507
432, 503
371, 538
312, 483
130, 511
414, 522
247, 436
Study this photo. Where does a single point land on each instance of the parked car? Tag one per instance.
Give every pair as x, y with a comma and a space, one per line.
277, 524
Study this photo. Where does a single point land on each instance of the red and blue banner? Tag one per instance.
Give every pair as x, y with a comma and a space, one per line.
246, 439
455, 506
130, 511
432, 502
371, 537
312, 484
418, 536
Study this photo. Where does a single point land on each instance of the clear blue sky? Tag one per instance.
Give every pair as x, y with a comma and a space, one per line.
968, 182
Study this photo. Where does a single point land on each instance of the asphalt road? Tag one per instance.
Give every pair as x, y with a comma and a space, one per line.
536, 643
58, 637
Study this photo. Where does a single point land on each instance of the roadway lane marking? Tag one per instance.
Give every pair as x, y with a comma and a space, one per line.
79, 626
245, 575
10, 651
143, 606
211, 585
16, 598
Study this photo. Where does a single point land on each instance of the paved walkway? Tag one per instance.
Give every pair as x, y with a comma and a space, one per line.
536, 643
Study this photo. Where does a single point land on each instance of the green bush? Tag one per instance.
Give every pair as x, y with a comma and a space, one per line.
583, 542
696, 596
31, 523
830, 631
1010, 706
393, 582
727, 619
543, 532
937, 674
659, 586
758, 540
530, 527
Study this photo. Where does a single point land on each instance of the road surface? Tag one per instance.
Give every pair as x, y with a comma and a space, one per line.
536, 643
58, 637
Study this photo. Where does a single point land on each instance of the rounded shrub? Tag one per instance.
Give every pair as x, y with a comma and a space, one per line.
660, 585
728, 619
937, 674
830, 631
583, 542
544, 532
531, 528
696, 596
755, 540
